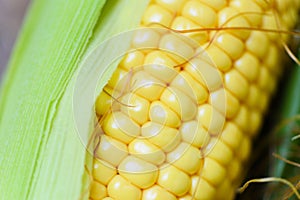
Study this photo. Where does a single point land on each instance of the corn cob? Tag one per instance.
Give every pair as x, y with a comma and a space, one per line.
174, 128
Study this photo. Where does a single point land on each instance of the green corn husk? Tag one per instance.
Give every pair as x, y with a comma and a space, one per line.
42, 155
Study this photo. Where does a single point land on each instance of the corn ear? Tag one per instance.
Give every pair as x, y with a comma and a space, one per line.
42, 156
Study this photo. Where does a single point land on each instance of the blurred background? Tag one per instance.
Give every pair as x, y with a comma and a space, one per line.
11, 16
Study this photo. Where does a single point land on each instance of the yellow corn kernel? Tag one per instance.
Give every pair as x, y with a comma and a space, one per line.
206, 73
98, 191
174, 180
231, 45
231, 131
202, 189
145, 150
220, 152
184, 82
160, 113
186, 157
132, 59
120, 188
165, 137
183, 23
145, 38
104, 102
200, 13
103, 172
139, 172
236, 84
156, 192
160, 65
184, 110
193, 133
220, 58
211, 119
249, 6
260, 38
121, 127
179, 49
157, 14
172, 5
184, 106
111, 150
243, 63
147, 86
213, 171
135, 107
225, 102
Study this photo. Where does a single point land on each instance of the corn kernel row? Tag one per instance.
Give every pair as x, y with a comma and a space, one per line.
179, 126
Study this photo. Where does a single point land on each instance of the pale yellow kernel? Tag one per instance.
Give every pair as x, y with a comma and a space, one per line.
132, 59
156, 193
104, 102
135, 107
200, 13
248, 65
219, 57
264, 99
215, 4
211, 119
147, 86
258, 44
223, 99
172, 5
174, 180
232, 45
145, 150
120, 127
120, 188
225, 190
116, 78
271, 60
255, 122
269, 22
236, 84
249, 7
202, 189
183, 105
186, 197
178, 48
162, 114
234, 170
242, 118
228, 17
164, 137
231, 135
157, 14
103, 171
194, 72
182, 23
266, 80
193, 133
139, 172
111, 150
244, 149
253, 100
184, 82
160, 66
145, 38
98, 191
213, 171
186, 158
107, 198
206, 73
220, 152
